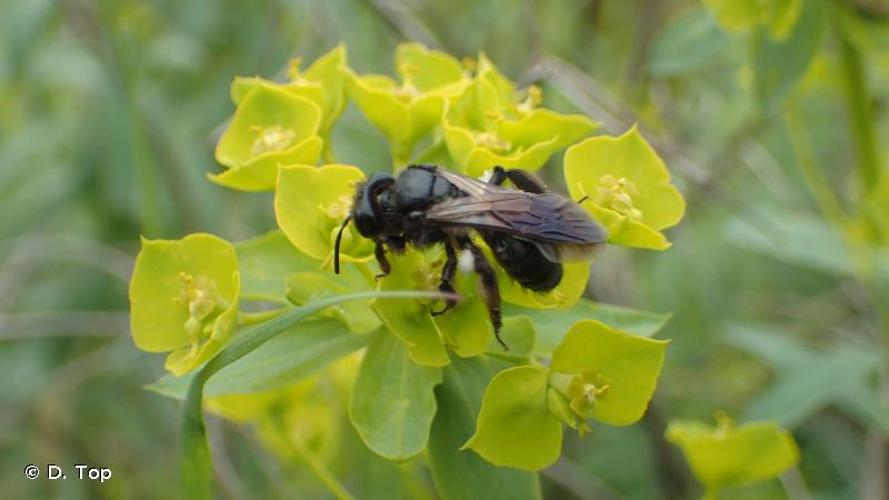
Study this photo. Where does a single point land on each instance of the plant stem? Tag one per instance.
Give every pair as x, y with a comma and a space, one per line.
321, 471
862, 123
813, 175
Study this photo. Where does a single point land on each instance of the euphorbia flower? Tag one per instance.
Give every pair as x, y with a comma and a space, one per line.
312, 202
271, 127
184, 298
323, 83
597, 372
625, 185
407, 111
729, 455
485, 128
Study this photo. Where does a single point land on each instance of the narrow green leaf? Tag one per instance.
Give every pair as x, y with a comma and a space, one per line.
812, 386
780, 64
797, 239
393, 401
283, 360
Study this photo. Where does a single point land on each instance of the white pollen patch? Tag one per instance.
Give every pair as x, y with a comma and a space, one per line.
466, 261
486, 175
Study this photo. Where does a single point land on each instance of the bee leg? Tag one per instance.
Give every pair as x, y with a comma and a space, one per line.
447, 279
380, 254
522, 179
488, 276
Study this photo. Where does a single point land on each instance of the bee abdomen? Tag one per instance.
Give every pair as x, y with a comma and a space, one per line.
524, 262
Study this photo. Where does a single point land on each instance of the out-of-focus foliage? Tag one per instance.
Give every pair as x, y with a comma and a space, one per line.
108, 131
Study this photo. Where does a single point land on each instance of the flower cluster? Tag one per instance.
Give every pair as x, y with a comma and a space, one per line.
191, 297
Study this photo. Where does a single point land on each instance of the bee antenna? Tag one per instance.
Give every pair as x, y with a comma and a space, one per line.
336, 246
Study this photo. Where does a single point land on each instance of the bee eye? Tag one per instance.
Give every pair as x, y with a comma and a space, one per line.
367, 223
368, 213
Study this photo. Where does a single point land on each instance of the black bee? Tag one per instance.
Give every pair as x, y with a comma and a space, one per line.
530, 230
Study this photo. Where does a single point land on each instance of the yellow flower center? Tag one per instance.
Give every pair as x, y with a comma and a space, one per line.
204, 303
492, 141
583, 391
339, 209
407, 90
616, 193
274, 138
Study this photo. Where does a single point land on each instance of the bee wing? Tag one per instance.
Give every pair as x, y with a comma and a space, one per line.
559, 227
469, 185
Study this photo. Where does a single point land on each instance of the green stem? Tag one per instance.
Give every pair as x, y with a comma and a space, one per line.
812, 174
862, 123
321, 471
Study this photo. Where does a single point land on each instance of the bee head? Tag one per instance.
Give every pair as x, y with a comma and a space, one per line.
366, 212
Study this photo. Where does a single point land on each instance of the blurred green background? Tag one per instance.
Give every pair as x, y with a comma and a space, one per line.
108, 118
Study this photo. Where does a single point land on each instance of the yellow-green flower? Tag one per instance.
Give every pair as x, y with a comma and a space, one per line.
485, 128
729, 455
323, 83
312, 202
406, 112
626, 186
597, 372
271, 127
184, 298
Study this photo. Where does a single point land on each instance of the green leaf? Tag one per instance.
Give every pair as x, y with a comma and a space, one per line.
515, 428
687, 44
812, 386
779, 65
626, 364
628, 188
196, 463
727, 455
265, 262
288, 358
808, 380
461, 474
311, 204
184, 298
796, 239
393, 401
553, 325
357, 316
